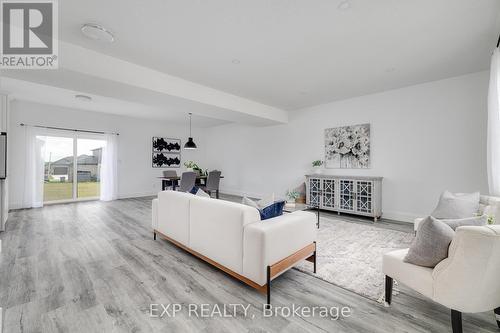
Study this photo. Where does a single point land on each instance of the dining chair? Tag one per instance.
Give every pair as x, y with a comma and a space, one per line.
169, 174
213, 182
188, 180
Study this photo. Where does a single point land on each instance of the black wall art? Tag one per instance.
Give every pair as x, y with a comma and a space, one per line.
166, 153
166, 145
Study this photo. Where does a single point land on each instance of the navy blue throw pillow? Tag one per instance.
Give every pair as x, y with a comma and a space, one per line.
273, 210
194, 190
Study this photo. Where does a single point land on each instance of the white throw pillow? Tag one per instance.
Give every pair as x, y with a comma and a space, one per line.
201, 193
249, 202
457, 205
266, 201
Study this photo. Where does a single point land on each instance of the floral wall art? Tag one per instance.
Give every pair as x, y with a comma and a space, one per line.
347, 147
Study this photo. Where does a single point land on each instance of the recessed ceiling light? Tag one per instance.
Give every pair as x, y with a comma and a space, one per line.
236, 61
344, 5
97, 32
390, 70
83, 98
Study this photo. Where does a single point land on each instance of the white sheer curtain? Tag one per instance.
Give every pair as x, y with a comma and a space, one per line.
493, 150
34, 168
109, 168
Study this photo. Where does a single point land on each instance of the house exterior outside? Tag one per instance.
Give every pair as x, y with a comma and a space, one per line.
88, 168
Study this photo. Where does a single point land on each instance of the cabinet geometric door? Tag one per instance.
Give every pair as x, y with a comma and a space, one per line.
347, 195
315, 192
352, 195
364, 198
328, 193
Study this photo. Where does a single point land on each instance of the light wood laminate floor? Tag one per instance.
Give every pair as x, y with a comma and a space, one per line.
94, 267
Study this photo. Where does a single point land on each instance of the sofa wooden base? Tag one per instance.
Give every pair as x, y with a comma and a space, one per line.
307, 253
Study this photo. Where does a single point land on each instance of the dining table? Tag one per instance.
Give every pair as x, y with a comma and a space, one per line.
174, 181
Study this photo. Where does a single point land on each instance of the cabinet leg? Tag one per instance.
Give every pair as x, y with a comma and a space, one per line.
375, 219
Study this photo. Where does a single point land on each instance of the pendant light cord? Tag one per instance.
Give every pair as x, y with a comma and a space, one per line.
498, 43
190, 116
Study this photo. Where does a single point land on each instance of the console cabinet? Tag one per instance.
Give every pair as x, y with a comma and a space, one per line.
345, 194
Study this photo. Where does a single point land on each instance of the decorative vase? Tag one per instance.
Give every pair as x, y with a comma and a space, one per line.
290, 202
317, 170
189, 169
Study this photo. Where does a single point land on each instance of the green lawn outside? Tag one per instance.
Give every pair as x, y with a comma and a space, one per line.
53, 191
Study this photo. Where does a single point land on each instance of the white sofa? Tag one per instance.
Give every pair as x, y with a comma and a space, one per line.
467, 281
232, 237
487, 205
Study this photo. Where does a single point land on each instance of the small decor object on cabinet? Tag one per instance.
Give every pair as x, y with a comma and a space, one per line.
166, 153
291, 197
317, 166
347, 147
348, 194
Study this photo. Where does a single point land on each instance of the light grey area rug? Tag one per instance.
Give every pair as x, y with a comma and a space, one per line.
349, 255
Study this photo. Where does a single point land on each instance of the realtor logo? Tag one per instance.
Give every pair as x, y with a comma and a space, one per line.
29, 34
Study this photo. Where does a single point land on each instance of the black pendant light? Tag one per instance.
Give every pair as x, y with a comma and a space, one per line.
190, 143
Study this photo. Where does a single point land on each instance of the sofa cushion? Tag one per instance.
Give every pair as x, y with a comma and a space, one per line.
273, 210
457, 205
431, 243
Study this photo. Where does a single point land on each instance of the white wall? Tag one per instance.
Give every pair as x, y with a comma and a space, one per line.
136, 176
425, 138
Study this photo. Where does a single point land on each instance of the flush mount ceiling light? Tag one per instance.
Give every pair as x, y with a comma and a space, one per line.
344, 5
83, 98
190, 143
97, 32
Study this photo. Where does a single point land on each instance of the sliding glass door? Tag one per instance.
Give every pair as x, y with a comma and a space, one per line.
72, 168
58, 174
89, 168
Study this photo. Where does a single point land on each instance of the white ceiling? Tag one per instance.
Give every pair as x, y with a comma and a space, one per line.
294, 53
260, 57
50, 95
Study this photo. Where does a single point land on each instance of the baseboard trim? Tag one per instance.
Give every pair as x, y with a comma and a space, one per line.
400, 216
137, 195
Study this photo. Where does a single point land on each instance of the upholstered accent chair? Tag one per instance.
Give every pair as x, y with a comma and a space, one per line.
467, 281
